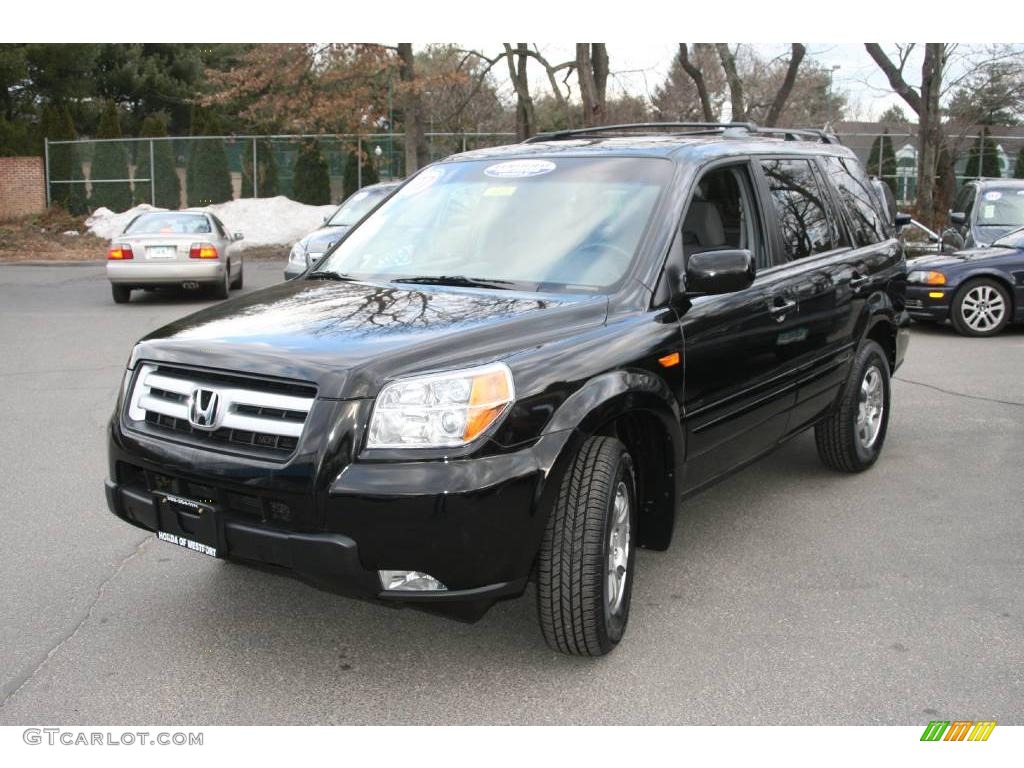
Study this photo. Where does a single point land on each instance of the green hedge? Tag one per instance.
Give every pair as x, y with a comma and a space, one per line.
110, 161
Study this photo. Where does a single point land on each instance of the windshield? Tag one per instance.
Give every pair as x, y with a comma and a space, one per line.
357, 206
1001, 207
1013, 240
169, 224
569, 222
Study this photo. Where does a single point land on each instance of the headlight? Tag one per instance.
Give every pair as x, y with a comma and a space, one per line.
928, 278
441, 410
298, 255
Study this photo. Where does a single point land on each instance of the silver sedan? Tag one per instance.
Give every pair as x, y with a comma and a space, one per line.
190, 249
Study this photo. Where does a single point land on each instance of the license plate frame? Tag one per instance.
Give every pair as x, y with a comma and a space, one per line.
161, 252
190, 524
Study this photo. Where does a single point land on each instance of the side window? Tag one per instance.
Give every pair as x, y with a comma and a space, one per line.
802, 208
967, 206
722, 215
858, 200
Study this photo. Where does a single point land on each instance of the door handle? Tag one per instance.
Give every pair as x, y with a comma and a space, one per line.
779, 307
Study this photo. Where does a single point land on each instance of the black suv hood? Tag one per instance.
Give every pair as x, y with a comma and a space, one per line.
348, 337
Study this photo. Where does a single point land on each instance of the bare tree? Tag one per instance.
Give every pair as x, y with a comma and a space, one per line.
698, 80
526, 117
417, 152
796, 56
732, 77
926, 104
592, 73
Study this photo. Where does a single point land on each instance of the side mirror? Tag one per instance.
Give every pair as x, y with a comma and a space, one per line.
238, 236
957, 218
714, 272
902, 219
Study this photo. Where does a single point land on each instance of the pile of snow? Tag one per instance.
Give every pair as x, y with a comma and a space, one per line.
263, 221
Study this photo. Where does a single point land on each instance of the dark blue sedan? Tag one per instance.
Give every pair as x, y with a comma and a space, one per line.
980, 290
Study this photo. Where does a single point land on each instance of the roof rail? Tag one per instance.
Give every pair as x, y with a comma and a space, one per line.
687, 129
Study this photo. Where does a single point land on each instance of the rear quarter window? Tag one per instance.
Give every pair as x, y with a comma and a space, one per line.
857, 201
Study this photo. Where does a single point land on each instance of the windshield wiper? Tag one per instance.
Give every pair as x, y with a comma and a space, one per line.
326, 274
457, 280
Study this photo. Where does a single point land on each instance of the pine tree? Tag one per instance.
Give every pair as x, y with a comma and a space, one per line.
1018, 172
351, 178
266, 170
56, 125
882, 161
165, 182
110, 161
982, 158
312, 183
207, 178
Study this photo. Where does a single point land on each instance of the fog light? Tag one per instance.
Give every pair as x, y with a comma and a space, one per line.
411, 581
935, 294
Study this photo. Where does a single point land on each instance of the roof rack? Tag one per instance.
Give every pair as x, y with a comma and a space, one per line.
689, 129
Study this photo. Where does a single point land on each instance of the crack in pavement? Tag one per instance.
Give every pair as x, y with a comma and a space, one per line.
9, 689
960, 394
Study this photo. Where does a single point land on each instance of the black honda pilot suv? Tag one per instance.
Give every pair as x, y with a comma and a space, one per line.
517, 366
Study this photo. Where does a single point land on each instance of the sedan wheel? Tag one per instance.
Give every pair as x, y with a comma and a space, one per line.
982, 308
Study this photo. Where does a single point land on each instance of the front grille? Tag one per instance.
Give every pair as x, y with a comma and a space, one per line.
913, 304
251, 415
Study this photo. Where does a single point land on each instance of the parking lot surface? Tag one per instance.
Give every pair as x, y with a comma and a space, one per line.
791, 595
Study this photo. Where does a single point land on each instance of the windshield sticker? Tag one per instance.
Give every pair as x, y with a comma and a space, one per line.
988, 211
993, 195
519, 169
499, 191
423, 181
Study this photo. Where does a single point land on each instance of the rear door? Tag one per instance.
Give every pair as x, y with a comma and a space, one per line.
811, 256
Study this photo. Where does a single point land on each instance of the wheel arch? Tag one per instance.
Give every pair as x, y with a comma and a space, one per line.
994, 275
639, 409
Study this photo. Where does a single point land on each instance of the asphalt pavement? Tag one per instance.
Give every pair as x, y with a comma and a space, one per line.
791, 595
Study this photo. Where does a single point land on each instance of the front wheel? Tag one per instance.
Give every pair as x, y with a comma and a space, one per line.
851, 438
981, 308
585, 568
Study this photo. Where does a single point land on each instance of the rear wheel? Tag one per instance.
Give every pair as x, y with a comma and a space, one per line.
236, 284
222, 287
851, 438
585, 568
122, 294
981, 308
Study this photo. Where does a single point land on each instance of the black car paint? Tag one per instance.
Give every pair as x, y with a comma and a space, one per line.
749, 378
1005, 265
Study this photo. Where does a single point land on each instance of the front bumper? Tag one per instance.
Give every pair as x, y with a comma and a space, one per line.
169, 273
928, 302
474, 524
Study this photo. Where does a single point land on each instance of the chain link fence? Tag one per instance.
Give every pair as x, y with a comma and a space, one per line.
175, 172
178, 172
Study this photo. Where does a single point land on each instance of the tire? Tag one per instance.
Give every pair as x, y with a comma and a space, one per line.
583, 608
850, 440
222, 288
122, 294
236, 284
981, 307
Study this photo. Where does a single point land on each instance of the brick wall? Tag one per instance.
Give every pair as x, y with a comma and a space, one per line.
22, 187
